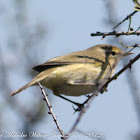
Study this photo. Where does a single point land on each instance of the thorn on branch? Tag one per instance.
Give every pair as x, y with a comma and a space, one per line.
62, 138
87, 95
49, 112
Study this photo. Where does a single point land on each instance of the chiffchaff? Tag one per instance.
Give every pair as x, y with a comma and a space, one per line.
77, 73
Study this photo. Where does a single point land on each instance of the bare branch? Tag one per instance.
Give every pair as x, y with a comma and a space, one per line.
117, 34
51, 111
125, 19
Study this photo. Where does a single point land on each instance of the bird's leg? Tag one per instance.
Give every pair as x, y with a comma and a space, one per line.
80, 106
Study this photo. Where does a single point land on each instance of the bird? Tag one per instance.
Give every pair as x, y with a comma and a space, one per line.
77, 73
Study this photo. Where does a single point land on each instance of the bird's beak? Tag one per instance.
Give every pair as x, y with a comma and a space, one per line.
127, 53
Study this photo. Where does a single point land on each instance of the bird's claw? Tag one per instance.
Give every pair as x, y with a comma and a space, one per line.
80, 107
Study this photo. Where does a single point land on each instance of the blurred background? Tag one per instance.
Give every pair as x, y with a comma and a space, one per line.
32, 32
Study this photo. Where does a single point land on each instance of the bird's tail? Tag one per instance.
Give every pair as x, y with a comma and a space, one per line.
41, 76
21, 89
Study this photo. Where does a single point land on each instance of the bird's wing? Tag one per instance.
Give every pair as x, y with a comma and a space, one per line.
73, 58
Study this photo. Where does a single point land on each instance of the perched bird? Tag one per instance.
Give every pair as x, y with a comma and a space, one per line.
77, 73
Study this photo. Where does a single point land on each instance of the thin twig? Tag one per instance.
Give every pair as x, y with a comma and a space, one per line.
129, 27
115, 33
51, 112
126, 19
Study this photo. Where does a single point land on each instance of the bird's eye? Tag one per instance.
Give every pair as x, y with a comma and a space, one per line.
113, 53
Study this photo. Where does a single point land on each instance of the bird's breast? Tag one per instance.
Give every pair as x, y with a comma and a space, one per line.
64, 79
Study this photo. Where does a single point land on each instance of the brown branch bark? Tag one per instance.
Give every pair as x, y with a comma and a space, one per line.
51, 111
117, 34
